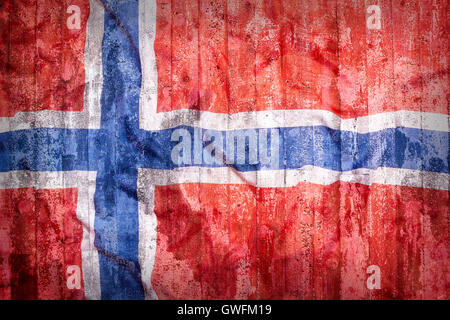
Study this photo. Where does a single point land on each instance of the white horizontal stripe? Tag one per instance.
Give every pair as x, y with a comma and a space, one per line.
291, 177
90, 116
293, 118
85, 182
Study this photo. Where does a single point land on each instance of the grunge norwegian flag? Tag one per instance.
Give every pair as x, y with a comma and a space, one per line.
227, 149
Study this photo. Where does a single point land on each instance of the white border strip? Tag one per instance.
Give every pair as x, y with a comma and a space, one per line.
150, 119
149, 178
90, 117
85, 182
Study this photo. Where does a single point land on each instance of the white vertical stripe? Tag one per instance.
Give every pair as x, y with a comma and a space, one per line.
147, 234
149, 88
86, 214
147, 107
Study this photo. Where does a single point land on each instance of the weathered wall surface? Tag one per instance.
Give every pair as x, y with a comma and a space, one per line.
109, 189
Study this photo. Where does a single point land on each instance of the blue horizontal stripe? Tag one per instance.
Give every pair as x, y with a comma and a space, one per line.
63, 149
45, 150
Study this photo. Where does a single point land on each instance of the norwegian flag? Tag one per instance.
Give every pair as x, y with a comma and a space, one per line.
227, 149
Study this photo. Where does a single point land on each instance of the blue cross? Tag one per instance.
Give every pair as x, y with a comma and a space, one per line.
120, 147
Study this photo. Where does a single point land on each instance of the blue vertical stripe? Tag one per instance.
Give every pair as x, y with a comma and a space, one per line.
116, 206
